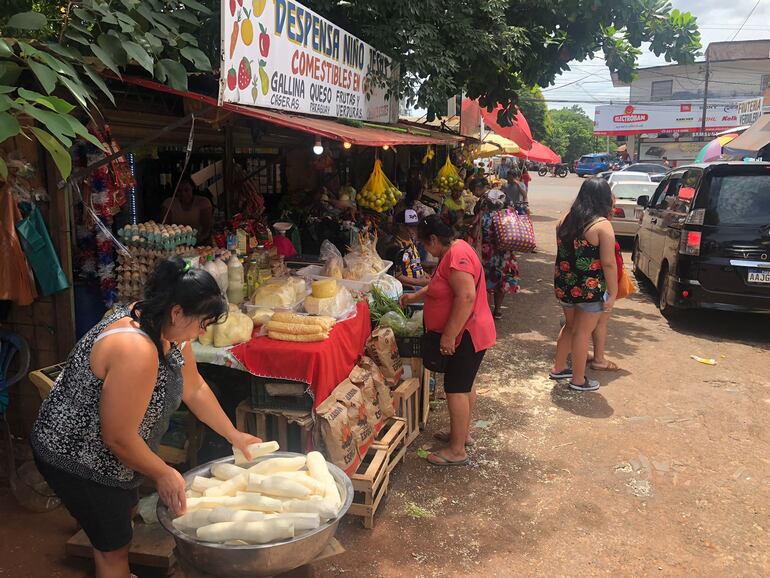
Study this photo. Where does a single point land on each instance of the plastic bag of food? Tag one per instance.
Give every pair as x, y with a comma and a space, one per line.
334, 263
398, 323
378, 194
447, 177
415, 327
390, 286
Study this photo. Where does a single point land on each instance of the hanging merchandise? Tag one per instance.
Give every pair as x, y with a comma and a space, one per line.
16, 281
429, 154
104, 192
379, 194
447, 177
40, 253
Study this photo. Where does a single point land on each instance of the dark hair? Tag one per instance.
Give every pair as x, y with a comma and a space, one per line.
479, 182
434, 225
515, 173
594, 201
186, 179
173, 282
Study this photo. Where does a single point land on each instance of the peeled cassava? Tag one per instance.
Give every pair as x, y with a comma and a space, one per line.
277, 465
256, 451
253, 532
226, 471
192, 520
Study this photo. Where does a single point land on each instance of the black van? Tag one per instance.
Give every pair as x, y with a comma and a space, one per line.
704, 238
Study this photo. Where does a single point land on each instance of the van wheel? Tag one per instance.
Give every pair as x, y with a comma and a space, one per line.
664, 285
635, 261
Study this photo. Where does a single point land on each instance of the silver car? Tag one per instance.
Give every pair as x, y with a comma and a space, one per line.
626, 214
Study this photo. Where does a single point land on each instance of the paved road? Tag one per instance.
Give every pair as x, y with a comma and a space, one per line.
665, 471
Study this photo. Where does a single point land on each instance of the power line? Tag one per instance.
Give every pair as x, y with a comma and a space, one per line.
744, 22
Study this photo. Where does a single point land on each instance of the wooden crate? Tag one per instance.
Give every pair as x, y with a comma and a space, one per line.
370, 484
392, 438
419, 371
407, 400
275, 424
151, 546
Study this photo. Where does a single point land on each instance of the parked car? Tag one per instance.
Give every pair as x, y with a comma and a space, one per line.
656, 172
626, 214
628, 177
593, 164
704, 239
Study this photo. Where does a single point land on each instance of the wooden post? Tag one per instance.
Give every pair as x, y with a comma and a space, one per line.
228, 170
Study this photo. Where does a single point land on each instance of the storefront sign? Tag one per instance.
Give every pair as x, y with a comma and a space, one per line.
650, 118
749, 111
279, 54
654, 151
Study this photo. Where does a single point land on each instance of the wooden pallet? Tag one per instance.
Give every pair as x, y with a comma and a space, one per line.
419, 371
151, 546
407, 400
392, 438
255, 421
370, 484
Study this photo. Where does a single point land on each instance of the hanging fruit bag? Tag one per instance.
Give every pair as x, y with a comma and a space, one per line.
447, 177
378, 194
513, 232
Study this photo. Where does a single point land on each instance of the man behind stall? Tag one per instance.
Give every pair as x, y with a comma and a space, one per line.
407, 265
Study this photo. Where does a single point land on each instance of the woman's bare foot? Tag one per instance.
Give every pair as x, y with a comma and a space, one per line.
443, 436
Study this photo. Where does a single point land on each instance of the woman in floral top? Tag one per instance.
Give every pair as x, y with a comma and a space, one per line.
585, 278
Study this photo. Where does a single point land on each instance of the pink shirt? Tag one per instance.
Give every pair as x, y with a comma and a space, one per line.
440, 297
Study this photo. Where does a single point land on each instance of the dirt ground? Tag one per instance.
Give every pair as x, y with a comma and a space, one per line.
665, 471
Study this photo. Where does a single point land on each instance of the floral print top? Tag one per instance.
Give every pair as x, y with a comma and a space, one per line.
578, 275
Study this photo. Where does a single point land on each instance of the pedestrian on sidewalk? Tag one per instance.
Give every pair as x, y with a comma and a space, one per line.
95, 435
456, 307
585, 280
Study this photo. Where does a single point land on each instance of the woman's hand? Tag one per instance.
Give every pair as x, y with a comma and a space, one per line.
406, 299
242, 441
447, 345
609, 304
171, 489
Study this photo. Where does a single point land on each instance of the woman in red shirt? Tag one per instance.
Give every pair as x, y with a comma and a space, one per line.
456, 306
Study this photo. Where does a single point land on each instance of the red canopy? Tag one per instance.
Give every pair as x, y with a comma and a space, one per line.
540, 153
519, 132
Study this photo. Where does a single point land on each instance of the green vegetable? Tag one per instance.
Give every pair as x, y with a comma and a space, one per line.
380, 304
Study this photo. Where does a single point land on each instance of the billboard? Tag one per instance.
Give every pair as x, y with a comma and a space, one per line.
749, 111
278, 54
628, 119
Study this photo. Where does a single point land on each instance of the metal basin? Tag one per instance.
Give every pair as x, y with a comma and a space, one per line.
263, 559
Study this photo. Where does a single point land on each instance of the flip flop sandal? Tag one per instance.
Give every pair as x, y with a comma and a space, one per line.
445, 462
610, 366
442, 436
497, 315
561, 376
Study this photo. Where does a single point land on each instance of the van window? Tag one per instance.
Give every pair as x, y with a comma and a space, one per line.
588, 160
739, 200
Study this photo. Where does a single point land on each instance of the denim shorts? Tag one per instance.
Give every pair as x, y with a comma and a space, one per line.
590, 307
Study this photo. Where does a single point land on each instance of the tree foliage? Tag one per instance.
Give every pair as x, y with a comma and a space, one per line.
535, 110
492, 49
54, 57
571, 134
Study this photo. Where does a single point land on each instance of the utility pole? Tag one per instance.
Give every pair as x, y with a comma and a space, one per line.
705, 98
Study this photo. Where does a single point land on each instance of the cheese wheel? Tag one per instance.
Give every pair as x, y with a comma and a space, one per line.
324, 288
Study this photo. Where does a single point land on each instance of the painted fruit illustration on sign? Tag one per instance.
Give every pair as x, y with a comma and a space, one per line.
244, 74
247, 29
258, 7
232, 7
264, 42
234, 35
232, 79
263, 78
254, 89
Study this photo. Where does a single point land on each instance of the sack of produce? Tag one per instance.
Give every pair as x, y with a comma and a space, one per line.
381, 347
447, 177
334, 264
378, 194
363, 379
348, 394
513, 232
362, 262
384, 395
337, 435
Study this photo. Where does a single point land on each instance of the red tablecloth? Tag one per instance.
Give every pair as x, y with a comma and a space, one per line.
322, 365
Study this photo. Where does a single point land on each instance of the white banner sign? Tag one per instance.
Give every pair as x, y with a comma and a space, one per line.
279, 54
749, 111
650, 118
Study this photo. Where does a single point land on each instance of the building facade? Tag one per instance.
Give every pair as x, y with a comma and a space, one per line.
665, 113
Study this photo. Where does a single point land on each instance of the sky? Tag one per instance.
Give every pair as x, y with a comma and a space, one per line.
589, 83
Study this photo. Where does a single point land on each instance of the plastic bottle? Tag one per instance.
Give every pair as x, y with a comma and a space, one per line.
235, 280
211, 268
252, 277
221, 276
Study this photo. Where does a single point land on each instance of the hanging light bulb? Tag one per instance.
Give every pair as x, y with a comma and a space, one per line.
346, 145
385, 147
318, 147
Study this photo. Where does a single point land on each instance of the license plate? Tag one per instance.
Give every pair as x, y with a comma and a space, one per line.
759, 276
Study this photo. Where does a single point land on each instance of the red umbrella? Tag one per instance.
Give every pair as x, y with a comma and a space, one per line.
519, 132
540, 153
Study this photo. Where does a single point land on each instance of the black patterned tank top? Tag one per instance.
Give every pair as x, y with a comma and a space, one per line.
578, 274
68, 432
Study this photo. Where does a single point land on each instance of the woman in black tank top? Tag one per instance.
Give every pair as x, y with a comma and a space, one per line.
585, 278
